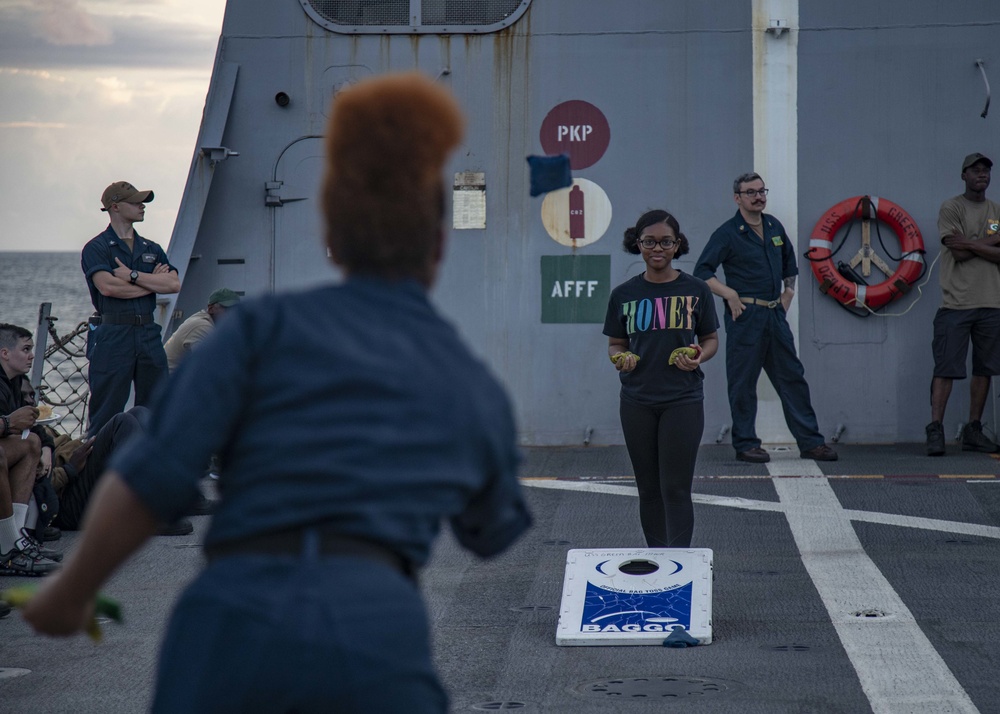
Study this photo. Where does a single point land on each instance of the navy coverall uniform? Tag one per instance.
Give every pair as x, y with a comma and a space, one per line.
125, 347
351, 411
760, 338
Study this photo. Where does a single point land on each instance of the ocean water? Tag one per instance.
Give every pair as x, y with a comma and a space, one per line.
26, 281
29, 279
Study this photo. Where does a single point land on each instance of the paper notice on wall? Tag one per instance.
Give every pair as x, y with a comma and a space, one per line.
469, 201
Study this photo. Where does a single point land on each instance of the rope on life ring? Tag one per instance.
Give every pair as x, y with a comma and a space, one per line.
853, 294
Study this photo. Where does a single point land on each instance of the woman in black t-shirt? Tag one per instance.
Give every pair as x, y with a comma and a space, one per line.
649, 318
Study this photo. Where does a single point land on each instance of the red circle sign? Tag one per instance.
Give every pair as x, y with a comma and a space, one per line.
576, 128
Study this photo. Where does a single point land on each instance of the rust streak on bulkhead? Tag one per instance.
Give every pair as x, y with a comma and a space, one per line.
513, 141
415, 49
384, 54
313, 95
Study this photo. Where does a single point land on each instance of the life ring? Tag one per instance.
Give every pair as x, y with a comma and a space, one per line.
852, 294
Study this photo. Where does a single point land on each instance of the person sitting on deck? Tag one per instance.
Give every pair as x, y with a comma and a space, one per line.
197, 327
78, 463
23, 448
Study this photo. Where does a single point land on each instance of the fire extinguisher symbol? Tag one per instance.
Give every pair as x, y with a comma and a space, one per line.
576, 215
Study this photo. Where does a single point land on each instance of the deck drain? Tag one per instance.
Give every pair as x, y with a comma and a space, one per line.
871, 613
555, 542
188, 545
11, 672
787, 648
533, 608
653, 688
499, 706
961, 541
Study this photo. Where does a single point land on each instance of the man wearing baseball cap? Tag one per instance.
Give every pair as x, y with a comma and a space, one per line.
969, 225
196, 328
124, 272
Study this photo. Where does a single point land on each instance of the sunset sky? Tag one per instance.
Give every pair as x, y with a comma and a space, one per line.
95, 91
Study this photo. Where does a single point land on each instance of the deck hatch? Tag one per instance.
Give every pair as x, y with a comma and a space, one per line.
653, 688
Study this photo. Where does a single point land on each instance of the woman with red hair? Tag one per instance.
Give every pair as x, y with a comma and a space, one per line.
350, 420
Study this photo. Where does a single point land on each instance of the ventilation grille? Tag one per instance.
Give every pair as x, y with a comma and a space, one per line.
363, 12
467, 12
396, 13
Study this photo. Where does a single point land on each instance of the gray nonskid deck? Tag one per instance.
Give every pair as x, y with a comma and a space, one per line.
927, 525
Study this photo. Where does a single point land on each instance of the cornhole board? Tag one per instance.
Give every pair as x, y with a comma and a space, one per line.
635, 596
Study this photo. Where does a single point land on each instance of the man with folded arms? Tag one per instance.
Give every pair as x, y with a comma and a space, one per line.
125, 272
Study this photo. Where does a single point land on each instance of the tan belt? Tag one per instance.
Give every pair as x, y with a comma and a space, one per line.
769, 304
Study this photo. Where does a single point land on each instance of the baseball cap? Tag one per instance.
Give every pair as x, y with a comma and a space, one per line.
975, 158
124, 192
224, 297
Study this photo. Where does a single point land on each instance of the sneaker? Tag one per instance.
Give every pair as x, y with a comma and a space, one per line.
23, 564
973, 439
49, 534
177, 528
4, 609
29, 544
935, 438
755, 455
823, 452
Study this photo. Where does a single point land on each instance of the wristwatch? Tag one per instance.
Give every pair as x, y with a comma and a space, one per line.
133, 276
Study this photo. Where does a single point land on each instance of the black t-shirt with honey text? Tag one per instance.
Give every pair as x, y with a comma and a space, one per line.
657, 318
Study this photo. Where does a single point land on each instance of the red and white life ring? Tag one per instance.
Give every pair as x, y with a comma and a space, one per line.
847, 292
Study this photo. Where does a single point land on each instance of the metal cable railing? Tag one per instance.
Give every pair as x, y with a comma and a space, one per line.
60, 377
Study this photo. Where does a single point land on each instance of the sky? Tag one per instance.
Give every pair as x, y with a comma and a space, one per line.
92, 92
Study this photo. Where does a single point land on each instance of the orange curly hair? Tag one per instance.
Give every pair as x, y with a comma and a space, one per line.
383, 197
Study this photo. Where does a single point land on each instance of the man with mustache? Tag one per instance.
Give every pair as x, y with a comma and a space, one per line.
969, 225
760, 268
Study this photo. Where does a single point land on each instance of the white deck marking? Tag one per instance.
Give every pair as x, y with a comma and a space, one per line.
898, 667
785, 461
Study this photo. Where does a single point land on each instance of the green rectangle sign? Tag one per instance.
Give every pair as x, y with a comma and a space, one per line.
575, 288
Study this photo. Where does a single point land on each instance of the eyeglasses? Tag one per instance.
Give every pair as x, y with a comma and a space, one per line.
649, 243
751, 192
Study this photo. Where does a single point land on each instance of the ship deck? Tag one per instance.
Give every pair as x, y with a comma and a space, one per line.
865, 584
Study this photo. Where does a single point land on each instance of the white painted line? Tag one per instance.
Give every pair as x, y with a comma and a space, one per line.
807, 511
899, 669
582, 486
927, 524
786, 461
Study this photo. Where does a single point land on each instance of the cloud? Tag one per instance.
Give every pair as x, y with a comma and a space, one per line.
56, 34
72, 138
64, 22
33, 125
115, 90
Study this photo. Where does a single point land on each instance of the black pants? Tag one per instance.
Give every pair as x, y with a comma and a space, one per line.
662, 443
76, 495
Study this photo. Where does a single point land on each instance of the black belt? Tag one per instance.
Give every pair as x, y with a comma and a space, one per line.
123, 318
293, 542
770, 304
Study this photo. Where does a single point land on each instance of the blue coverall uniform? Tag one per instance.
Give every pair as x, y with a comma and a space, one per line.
122, 354
353, 408
760, 338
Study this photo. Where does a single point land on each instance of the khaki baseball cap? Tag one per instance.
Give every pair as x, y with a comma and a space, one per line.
124, 192
975, 159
